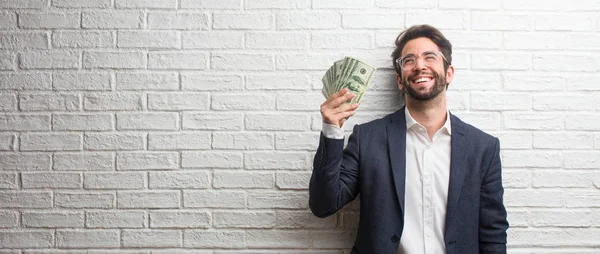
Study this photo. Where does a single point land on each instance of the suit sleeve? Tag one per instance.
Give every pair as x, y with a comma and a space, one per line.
492, 214
334, 180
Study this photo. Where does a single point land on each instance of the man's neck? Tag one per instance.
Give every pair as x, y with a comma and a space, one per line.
431, 114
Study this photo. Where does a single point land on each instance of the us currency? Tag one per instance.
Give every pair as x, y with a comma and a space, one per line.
348, 73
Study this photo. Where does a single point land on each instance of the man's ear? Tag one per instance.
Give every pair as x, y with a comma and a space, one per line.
450, 74
399, 81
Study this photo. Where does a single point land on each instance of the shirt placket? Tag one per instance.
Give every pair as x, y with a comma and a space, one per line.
428, 190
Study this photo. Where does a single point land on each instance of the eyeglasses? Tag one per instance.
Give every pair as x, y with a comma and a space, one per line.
408, 62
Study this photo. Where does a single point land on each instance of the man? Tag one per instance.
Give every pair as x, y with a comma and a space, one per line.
428, 182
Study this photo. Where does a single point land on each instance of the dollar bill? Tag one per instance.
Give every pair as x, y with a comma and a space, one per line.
348, 73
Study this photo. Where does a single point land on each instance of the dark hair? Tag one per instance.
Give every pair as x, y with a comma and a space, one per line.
419, 31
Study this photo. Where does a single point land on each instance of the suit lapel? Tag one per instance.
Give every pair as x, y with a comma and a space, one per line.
396, 133
458, 148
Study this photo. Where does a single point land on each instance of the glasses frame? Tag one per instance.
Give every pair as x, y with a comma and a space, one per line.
438, 53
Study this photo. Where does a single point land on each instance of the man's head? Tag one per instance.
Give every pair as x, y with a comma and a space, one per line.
422, 60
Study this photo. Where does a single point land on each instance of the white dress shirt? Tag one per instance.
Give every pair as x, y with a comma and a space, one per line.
426, 186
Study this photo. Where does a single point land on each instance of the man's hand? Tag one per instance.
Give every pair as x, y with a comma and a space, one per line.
335, 111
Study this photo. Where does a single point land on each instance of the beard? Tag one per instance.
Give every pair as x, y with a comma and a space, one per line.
438, 86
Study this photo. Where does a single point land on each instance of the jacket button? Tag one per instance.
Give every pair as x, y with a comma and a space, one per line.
395, 238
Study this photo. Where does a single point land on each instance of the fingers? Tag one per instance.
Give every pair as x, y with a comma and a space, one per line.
335, 111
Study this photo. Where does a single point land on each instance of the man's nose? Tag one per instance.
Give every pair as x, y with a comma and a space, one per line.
420, 63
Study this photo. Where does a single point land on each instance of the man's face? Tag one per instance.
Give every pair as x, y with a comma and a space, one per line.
427, 79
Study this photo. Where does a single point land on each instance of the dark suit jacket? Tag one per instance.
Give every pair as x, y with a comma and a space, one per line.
374, 165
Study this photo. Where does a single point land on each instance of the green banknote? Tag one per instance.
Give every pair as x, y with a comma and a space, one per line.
348, 73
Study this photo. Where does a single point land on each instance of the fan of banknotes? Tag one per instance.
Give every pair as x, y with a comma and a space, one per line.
348, 73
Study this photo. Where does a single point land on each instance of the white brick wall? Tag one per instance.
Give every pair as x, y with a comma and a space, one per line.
189, 126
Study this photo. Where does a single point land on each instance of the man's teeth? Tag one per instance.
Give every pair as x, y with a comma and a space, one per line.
421, 80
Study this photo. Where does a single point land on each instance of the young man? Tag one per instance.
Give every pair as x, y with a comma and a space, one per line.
428, 182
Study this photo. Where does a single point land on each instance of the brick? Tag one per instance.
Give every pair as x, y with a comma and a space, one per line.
213, 239
516, 179
288, 122
82, 39
148, 199
147, 81
115, 219
371, 20
534, 82
147, 160
561, 179
243, 20
81, 81
112, 19
9, 219
250, 101
148, 39
212, 40
475, 40
8, 102
566, 63
341, 40
214, 199
7, 142
276, 160
49, 60
26, 238
21, 122
7, 59
49, 20
574, 41
113, 101
211, 160
581, 83
278, 40
518, 218
244, 219
243, 141
582, 198
202, 82
470, 4
457, 101
23, 40
561, 140
151, 238
26, 81
242, 180
84, 161
179, 180
8, 21
178, 20
83, 122
276, 4
500, 101
147, 121
277, 239
291, 81
114, 181
25, 199
98, 238
146, 4
178, 101
582, 122
597, 142
300, 20
298, 181
179, 141
534, 198
53, 219
546, 218
340, 4
529, 121
114, 60
285, 200
582, 160
315, 61
51, 180
514, 140
536, 5
533, 159
82, 3
332, 239
493, 21
8, 181
211, 4
535, 41
212, 121
177, 60
299, 101
50, 142
439, 19
303, 219
242, 61
25, 161
179, 219
84, 200
564, 22
487, 121
502, 61
49, 102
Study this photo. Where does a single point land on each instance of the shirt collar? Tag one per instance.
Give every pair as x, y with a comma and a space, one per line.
410, 121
